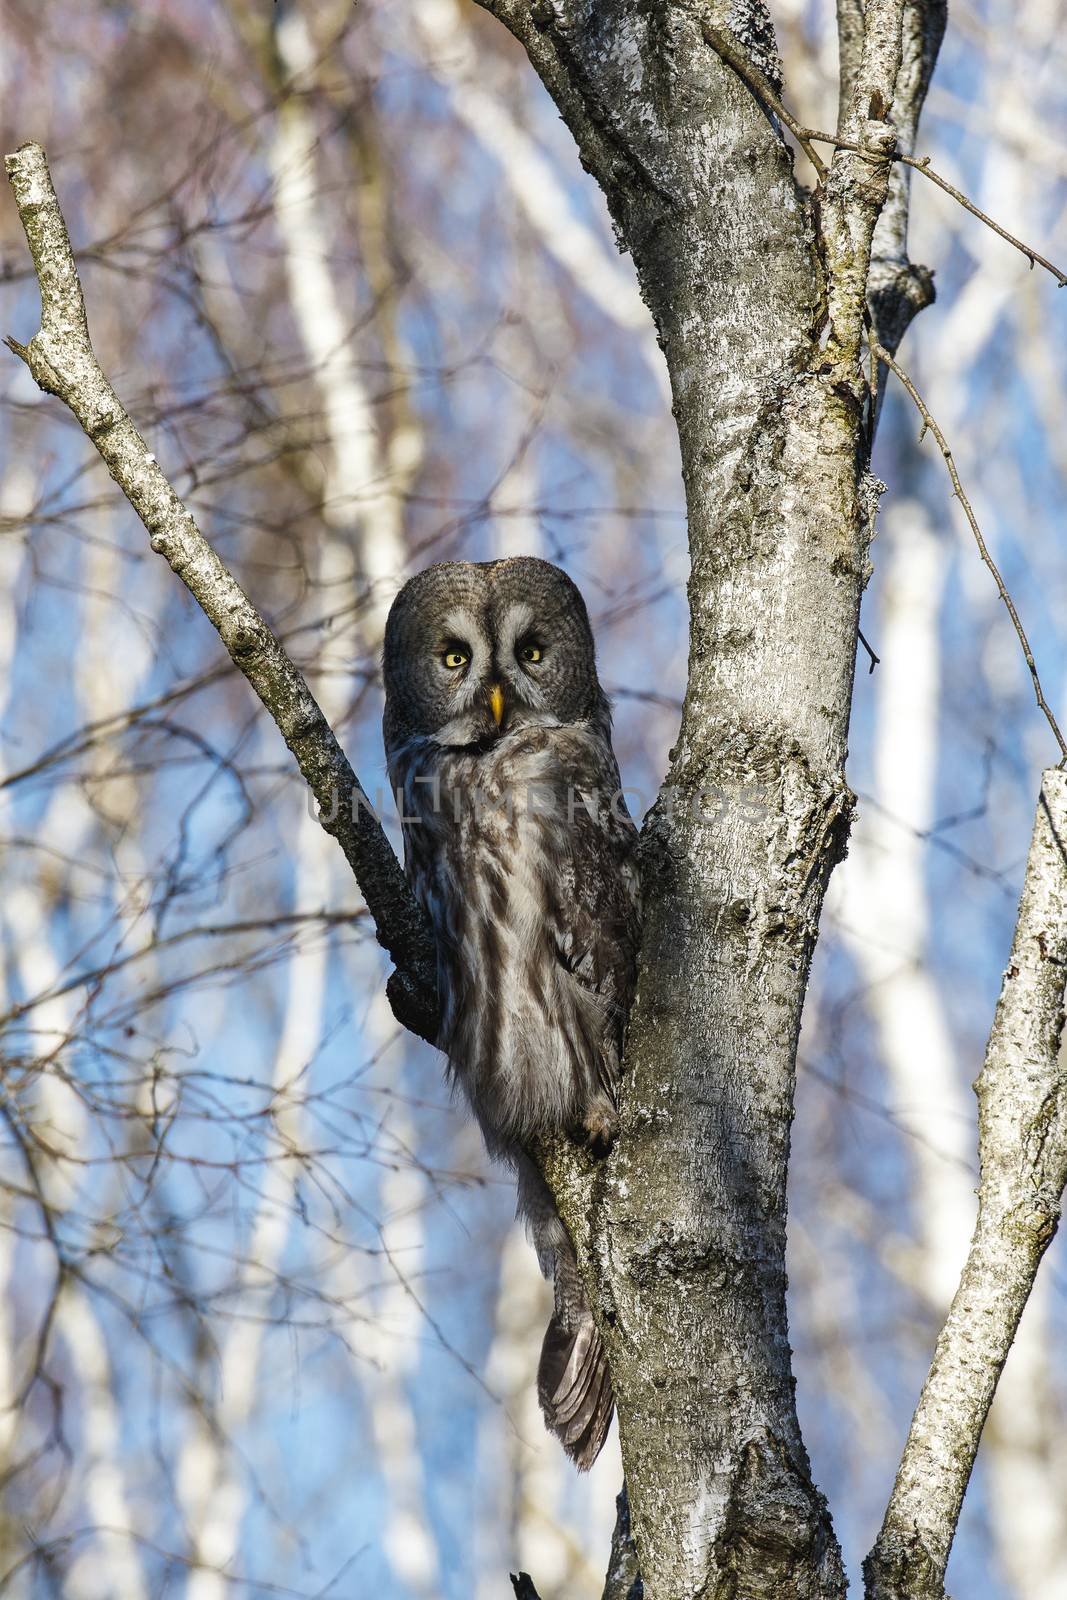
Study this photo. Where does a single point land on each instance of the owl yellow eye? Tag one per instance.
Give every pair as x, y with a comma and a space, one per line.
454, 659
531, 652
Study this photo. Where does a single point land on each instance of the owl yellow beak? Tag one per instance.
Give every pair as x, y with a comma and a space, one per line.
496, 703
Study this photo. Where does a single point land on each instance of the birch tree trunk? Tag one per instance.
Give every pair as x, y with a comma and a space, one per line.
759, 305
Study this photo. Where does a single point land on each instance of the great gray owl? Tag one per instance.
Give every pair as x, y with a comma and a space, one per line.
518, 844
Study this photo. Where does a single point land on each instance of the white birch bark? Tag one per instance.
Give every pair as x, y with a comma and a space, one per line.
210, 1484
391, 1345
375, 542
113, 1561
110, 1560
517, 532
16, 498
883, 908
1024, 1461
361, 493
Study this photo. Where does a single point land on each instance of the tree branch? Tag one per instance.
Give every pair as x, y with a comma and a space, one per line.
856, 188
61, 359
763, 89
623, 1580
849, 54
898, 289
922, 164
1022, 1107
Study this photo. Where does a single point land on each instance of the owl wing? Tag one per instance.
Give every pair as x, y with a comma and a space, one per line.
597, 929
598, 904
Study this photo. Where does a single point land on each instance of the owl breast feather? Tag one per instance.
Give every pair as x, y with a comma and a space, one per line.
522, 856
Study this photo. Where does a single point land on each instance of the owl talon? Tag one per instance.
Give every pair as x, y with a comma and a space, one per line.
600, 1127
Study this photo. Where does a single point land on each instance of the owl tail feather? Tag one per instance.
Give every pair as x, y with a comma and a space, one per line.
574, 1387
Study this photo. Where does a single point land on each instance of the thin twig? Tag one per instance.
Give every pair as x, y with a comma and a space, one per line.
735, 57
874, 659
929, 423
922, 164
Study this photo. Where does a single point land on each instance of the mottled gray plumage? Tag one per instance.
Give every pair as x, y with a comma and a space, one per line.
518, 844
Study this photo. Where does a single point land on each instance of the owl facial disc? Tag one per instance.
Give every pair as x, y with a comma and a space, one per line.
475, 651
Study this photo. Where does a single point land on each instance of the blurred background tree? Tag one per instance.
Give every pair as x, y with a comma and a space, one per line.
265, 1323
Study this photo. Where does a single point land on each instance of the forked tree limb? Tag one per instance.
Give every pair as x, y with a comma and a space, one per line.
61, 359
1022, 1112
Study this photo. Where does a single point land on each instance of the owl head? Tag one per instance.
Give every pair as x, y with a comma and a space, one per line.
474, 650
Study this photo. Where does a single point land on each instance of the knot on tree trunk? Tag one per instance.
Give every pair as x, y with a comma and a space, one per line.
901, 1568
775, 1543
897, 290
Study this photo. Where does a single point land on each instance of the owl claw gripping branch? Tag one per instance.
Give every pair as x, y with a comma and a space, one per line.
519, 846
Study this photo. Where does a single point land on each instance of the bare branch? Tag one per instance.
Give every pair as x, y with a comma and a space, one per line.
849, 51
893, 214
1023, 1150
878, 64
807, 137
874, 659
942, 444
856, 187
922, 164
60, 356
1035, 258
897, 288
